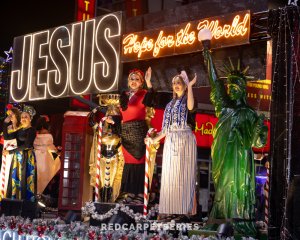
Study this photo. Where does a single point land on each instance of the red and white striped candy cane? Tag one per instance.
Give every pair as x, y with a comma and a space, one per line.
267, 188
3, 177
3, 170
98, 158
147, 164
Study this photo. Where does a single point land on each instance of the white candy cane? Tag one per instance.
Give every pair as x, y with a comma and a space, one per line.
98, 159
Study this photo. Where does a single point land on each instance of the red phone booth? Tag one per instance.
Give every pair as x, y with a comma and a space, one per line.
75, 187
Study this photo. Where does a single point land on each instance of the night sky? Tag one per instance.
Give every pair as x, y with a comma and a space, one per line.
27, 16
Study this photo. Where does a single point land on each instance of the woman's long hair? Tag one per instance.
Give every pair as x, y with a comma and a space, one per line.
17, 113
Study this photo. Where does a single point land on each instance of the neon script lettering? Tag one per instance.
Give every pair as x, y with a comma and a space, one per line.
172, 38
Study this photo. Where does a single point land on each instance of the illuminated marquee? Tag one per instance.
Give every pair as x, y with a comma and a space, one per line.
79, 58
229, 30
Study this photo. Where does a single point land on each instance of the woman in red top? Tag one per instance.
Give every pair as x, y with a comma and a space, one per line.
133, 131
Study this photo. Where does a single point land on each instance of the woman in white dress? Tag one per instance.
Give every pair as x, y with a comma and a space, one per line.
179, 163
47, 160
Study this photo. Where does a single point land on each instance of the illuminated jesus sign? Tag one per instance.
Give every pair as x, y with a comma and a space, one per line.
75, 59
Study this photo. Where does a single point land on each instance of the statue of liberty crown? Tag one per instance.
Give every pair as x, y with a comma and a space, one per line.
235, 74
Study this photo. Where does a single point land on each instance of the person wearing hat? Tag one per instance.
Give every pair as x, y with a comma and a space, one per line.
22, 181
11, 124
179, 162
133, 106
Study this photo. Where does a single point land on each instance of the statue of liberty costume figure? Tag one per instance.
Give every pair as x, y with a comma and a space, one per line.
238, 129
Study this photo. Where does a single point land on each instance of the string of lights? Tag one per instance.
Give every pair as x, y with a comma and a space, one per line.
284, 28
5, 65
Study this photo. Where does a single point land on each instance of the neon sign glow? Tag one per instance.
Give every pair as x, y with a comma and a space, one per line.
78, 58
230, 30
237, 28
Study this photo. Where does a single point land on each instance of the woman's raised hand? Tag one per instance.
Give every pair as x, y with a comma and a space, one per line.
7, 119
5, 152
148, 77
193, 81
148, 140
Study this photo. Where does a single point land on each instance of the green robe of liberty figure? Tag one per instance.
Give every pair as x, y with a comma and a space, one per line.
238, 129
